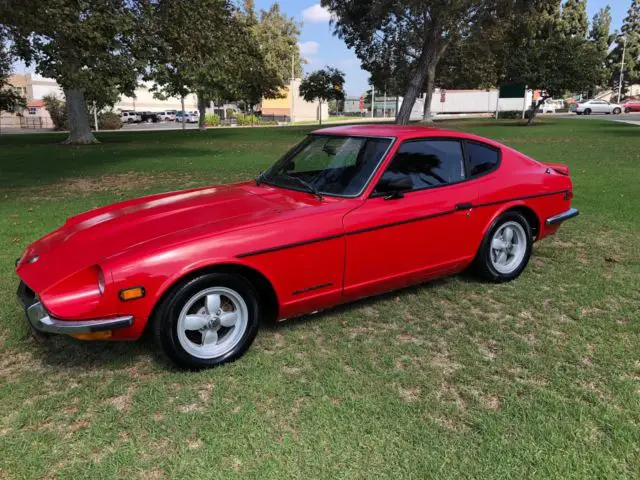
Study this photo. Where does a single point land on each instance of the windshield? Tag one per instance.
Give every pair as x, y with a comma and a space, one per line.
328, 165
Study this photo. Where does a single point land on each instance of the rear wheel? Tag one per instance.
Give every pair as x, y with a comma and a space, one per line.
627, 110
506, 249
208, 321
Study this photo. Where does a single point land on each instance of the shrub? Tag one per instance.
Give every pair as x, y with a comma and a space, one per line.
109, 121
244, 120
57, 111
252, 120
212, 120
510, 115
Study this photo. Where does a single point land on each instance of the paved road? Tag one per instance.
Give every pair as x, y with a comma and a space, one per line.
633, 118
158, 126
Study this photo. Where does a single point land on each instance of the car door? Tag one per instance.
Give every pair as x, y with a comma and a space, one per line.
415, 223
600, 106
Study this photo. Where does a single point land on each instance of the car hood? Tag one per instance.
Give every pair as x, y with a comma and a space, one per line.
88, 238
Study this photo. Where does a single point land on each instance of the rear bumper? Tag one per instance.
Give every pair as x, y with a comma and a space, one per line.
41, 321
561, 217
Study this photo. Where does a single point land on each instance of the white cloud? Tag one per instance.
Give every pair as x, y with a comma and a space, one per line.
309, 48
316, 14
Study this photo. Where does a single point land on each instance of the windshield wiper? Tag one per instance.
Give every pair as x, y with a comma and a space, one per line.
308, 186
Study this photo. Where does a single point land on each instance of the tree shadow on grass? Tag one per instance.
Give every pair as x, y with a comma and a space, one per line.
77, 356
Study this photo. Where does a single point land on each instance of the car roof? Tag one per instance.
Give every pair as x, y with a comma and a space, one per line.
402, 132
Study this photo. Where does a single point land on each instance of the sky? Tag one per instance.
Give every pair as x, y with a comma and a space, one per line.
320, 47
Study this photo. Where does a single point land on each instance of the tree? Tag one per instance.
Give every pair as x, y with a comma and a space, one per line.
406, 40
323, 85
266, 54
544, 58
86, 46
10, 99
191, 40
600, 37
575, 22
630, 30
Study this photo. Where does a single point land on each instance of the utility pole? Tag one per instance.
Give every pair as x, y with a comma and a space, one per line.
293, 75
373, 101
624, 51
384, 111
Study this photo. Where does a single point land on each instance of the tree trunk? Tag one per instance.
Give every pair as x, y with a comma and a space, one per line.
320, 111
79, 130
430, 83
533, 111
184, 119
413, 90
202, 110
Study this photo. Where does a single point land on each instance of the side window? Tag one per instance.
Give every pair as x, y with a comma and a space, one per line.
482, 158
422, 164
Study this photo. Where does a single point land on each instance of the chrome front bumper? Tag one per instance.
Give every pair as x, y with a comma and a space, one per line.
41, 321
561, 217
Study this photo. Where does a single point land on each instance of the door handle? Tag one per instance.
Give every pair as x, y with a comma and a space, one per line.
464, 206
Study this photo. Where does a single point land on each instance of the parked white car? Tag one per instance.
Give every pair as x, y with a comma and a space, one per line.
597, 106
130, 117
167, 115
189, 117
550, 106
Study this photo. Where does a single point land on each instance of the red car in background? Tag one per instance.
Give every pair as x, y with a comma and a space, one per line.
632, 106
350, 212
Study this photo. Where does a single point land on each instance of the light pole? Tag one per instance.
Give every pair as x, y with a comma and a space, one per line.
373, 100
624, 51
293, 55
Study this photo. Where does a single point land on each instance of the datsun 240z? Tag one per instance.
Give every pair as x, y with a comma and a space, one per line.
349, 212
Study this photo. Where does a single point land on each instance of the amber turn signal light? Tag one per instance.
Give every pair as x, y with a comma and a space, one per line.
106, 335
131, 293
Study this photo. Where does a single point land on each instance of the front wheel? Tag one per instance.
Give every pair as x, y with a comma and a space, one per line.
627, 110
505, 250
587, 111
616, 111
207, 321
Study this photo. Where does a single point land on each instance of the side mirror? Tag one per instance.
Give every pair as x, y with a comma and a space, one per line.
395, 188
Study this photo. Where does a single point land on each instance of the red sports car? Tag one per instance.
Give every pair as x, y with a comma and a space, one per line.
632, 106
348, 213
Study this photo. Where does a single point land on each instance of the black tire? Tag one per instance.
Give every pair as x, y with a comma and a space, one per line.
587, 111
483, 265
627, 110
579, 113
165, 320
617, 111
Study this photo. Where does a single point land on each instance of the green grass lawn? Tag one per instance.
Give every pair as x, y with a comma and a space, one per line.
538, 378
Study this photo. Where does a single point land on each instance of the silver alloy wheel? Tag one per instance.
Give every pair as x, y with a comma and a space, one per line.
508, 247
212, 322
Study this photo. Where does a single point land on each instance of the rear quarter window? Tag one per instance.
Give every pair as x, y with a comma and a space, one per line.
482, 159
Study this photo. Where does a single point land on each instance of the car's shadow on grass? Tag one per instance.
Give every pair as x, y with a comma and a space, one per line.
81, 356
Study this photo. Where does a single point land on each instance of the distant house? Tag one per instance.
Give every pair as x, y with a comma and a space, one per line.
292, 107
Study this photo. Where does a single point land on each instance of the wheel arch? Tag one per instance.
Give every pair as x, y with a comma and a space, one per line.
527, 212
267, 295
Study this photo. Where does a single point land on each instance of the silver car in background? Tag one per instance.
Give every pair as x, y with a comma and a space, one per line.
597, 106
